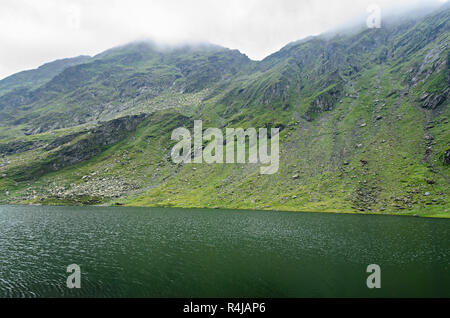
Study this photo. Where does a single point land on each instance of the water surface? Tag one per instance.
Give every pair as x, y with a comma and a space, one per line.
151, 252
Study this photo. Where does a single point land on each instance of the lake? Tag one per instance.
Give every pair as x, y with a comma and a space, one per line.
156, 252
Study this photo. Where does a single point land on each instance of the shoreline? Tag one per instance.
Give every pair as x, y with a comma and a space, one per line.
414, 213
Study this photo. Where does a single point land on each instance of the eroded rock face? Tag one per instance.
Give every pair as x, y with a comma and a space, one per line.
18, 146
326, 101
432, 101
62, 140
106, 134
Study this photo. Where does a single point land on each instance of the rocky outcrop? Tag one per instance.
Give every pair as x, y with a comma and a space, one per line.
433, 100
96, 140
82, 147
446, 157
62, 140
18, 146
325, 101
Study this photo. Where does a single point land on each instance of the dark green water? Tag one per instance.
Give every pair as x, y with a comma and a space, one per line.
137, 252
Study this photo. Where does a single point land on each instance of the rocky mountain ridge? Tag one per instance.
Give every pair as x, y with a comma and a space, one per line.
363, 119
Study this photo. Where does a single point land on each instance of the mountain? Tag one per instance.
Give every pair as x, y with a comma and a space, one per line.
115, 81
363, 117
34, 78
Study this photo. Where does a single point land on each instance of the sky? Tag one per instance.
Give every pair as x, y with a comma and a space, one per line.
33, 32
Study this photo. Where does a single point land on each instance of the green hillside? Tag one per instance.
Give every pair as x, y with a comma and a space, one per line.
363, 119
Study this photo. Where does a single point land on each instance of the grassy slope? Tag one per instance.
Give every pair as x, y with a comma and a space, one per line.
378, 120
393, 181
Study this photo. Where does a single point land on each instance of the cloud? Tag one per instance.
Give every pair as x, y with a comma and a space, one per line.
35, 32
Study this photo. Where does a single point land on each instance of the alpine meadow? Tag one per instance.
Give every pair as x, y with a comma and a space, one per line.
363, 120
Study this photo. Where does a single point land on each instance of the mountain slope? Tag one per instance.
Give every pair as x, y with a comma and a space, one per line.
35, 78
363, 118
116, 81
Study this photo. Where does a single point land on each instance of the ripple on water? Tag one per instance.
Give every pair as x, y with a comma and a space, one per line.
194, 253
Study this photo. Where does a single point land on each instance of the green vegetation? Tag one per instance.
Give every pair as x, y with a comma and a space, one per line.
363, 118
